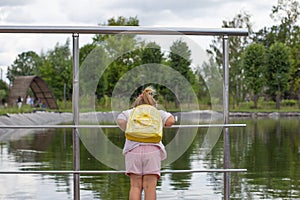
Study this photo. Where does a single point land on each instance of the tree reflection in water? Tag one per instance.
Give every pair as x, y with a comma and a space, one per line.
267, 148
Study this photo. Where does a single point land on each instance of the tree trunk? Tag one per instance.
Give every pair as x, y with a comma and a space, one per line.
255, 99
278, 101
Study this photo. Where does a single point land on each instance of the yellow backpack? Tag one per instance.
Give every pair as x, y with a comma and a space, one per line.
144, 124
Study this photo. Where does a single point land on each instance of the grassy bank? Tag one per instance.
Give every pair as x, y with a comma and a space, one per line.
266, 106
263, 106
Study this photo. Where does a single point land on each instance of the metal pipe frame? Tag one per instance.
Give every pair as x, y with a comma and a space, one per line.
76, 30
226, 155
113, 126
75, 106
120, 171
138, 30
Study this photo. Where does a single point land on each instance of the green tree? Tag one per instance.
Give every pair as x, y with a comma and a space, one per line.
180, 60
210, 83
91, 69
287, 12
294, 82
295, 71
120, 21
277, 71
151, 54
3, 91
85, 51
26, 64
57, 70
122, 64
236, 47
254, 61
123, 49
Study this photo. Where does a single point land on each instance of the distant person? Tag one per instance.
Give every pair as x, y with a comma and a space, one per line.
19, 102
143, 149
43, 105
29, 101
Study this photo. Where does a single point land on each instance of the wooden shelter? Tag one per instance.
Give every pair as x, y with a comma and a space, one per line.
40, 89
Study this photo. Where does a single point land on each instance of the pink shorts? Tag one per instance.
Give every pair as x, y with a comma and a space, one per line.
144, 159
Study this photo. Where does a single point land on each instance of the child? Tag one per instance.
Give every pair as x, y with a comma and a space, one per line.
143, 159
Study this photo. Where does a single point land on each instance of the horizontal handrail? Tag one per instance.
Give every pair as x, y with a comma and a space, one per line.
138, 30
112, 126
119, 172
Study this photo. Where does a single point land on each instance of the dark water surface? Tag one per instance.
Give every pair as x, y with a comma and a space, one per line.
268, 148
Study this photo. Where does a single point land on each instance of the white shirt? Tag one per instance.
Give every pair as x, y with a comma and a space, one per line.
129, 145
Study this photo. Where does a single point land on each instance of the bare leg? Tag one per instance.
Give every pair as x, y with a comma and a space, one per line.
136, 186
149, 186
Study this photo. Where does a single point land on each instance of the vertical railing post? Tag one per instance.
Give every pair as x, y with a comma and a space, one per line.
75, 107
226, 116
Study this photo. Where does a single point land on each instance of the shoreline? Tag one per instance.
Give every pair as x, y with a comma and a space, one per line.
53, 118
264, 114
37, 118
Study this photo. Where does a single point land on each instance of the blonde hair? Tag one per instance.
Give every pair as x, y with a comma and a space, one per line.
146, 97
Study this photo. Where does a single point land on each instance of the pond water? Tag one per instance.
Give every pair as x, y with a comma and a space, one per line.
268, 148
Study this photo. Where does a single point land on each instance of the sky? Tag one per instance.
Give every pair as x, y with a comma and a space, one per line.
154, 13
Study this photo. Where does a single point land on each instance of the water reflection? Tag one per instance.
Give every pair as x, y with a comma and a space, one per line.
267, 148
270, 153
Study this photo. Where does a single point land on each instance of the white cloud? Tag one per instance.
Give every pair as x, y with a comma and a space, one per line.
17, 14
9, 3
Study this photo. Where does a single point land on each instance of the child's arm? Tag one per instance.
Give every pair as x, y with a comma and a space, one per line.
122, 124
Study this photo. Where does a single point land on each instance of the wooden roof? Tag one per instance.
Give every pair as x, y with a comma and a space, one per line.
39, 88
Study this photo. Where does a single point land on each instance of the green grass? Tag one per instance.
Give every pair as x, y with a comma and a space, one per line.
23, 109
263, 106
267, 106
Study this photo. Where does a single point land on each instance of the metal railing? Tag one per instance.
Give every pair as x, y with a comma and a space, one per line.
113, 126
119, 172
75, 31
138, 30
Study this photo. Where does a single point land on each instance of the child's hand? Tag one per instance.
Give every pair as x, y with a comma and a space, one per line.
170, 121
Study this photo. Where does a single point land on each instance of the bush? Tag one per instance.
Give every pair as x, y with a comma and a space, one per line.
289, 102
